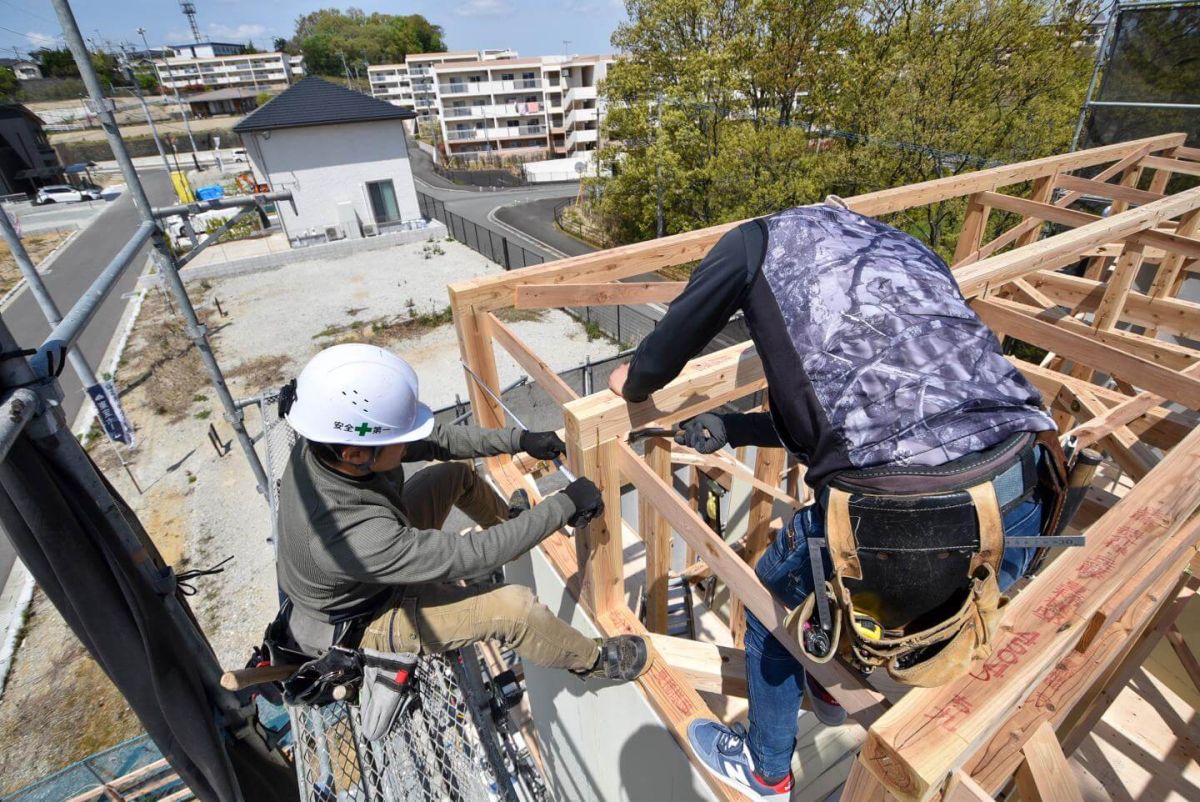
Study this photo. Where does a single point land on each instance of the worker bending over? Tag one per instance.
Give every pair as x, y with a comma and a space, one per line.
924, 447
362, 556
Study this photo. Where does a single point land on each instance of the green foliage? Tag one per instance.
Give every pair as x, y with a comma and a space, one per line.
324, 36
56, 63
10, 87
148, 81
735, 108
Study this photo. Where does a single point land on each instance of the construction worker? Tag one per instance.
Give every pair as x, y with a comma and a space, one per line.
922, 444
362, 557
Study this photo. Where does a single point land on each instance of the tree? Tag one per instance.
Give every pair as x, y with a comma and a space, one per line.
10, 87
250, 48
281, 45
939, 87
326, 35
56, 63
733, 108
147, 81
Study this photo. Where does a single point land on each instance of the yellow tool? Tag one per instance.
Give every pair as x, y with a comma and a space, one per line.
867, 627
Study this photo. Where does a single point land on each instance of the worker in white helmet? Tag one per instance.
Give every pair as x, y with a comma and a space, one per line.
361, 553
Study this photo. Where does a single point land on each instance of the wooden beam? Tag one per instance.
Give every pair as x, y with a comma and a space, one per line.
598, 544
1187, 658
705, 666
1027, 230
1010, 317
1045, 775
1173, 165
1103, 189
656, 534
1063, 249
554, 296
1083, 295
974, 225
1170, 269
721, 461
863, 703
488, 293
1120, 443
1125, 412
1064, 695
1166, 241
531, 363
705, 382
894, 200
768, 469
932, 731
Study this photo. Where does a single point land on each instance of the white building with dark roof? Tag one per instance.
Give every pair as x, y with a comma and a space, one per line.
342, 154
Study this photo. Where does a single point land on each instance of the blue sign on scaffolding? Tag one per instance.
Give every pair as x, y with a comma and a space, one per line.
112, 417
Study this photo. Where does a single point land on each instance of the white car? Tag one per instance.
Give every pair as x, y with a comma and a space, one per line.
61, 193
239, 155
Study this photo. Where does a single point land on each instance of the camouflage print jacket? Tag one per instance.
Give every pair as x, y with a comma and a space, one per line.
872, 355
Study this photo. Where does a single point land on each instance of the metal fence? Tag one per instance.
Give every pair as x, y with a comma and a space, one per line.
495, 247
137, 756
455, 744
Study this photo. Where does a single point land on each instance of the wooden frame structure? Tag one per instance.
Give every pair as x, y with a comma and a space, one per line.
1071, 632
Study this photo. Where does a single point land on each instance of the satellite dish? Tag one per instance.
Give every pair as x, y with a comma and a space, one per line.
580, 167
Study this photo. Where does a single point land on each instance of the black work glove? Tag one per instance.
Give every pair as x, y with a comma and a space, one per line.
542, 445
704, 433
587, 500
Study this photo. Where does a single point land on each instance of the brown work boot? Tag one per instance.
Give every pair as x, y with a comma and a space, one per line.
623, 658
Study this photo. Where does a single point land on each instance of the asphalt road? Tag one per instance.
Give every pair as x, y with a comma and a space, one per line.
536, 219
72, 273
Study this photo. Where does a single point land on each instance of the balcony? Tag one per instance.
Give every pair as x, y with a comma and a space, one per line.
463, 136
579, 137
495, 134
489, 87
451, 112
581, 116
577, 94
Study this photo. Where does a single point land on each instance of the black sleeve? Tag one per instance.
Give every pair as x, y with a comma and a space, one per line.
715, 291
751, 429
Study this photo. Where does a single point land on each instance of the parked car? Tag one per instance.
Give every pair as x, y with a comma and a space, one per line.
62, 193
239, 155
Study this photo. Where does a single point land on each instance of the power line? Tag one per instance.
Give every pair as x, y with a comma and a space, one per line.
27, 11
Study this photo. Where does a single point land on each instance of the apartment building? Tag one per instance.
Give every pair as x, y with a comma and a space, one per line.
206, 49
242, 71
411, 86
520, 107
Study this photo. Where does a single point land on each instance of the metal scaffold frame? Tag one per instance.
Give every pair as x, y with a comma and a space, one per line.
1070, 633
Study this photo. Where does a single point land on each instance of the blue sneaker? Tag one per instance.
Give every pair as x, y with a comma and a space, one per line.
725, 753
826, 708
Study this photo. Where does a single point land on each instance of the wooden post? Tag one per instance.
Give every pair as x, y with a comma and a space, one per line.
1112, 305
1045, 775
974, 225
1043, 192
656, 534
598, 544
768, 465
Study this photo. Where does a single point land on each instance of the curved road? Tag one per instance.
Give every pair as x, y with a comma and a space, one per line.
73, 272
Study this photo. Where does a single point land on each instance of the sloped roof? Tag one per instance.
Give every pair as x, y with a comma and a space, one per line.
312, 101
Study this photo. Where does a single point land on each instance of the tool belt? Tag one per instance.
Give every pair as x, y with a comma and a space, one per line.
916, 553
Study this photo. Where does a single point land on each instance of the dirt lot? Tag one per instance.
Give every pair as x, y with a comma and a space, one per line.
39, 246
200, 507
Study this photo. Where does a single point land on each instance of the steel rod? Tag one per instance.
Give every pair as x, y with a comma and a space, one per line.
212, 237
164, 258
1140, 105
33, 279
64, 335
18, 410
221, 203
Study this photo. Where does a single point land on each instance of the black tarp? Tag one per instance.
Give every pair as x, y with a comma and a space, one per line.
1154, 57
63, 537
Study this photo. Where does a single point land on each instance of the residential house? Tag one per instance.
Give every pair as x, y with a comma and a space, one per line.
24, 69
343, 155
27, 161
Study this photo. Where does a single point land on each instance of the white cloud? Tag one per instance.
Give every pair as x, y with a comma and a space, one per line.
483, 8
239, 33
38, 40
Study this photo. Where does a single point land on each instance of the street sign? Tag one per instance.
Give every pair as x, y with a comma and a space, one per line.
112, 417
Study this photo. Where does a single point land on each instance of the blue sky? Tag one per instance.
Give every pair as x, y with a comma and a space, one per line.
533, 27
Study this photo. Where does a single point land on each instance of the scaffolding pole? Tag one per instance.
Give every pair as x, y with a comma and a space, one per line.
164, 257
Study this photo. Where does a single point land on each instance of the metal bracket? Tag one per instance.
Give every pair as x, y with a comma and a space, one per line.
815, 544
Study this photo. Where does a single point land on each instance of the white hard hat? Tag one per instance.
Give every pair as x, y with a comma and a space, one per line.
359, 394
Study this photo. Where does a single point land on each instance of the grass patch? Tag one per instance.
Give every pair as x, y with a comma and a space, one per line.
38, 246
203, 414
162, 359
511, 315
261, 371
198, 397
385, 331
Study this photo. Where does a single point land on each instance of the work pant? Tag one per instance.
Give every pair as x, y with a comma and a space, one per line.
774, 677
442, 617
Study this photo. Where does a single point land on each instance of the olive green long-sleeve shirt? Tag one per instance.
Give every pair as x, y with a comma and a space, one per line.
346, 543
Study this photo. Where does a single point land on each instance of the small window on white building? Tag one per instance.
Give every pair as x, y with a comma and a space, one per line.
383, 201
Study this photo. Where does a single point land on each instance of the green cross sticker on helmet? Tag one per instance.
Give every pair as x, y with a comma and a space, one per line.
362, 383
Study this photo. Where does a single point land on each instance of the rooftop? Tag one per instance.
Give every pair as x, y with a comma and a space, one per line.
313, 101
222, 94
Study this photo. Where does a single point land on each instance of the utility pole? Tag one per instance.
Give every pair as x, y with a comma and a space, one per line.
137, 90
346, 68
187, 126
658, 187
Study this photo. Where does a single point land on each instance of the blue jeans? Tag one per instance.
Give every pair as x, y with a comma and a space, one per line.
775, 678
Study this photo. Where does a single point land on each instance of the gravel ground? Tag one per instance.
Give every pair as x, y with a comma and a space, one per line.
200, 507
